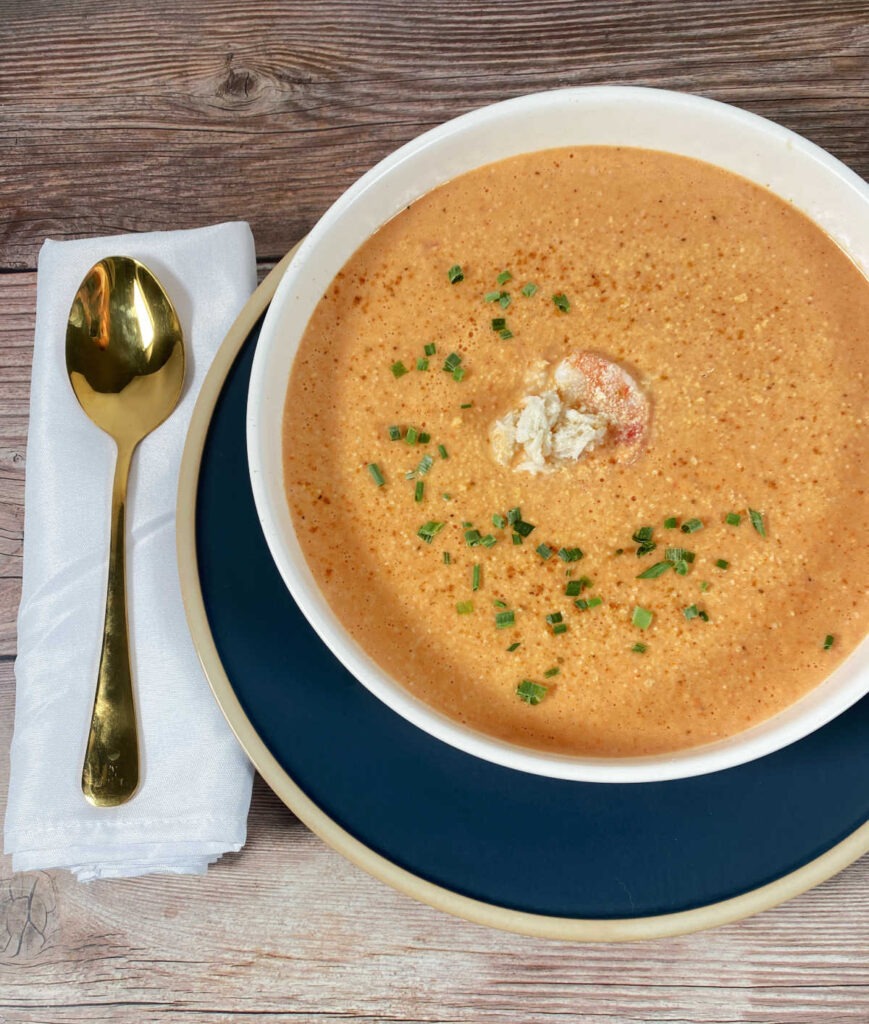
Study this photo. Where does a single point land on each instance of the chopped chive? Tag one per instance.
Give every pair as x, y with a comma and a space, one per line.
475, 577
421, 363
670, 523
644, 549
376, 475
691, 612
428, 530
703, 615
446, 558
492, 296
505, 335
442, 452
430, 349
558, 628
514, 515
410, 474
467, 405
446, 496
581, 604
504, 277
554, 617
678, 555
498, 323
733, 519
550, 672
459, 373
398, 369
417, 491
641, 617
455, 274
452, 361
472, 538
529, 289
544, 551
643, 535
680, 567
704, 586
425, 464
504, 300
829, 640
757, 521
639, 648
505, 619
499, 521
561, 301
489, 541
411, 435
465, 607
721, 563
569, 554
522, 528
530, 692
691, 525
514, 646
424, 438
573, 588
593, 602
517, 538
395, 433
654, 571
586, 582
465, 525
499, 604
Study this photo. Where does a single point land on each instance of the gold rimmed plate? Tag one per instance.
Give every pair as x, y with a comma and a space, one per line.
564, 860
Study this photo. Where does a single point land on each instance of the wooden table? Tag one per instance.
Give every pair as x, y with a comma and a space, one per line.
125, 117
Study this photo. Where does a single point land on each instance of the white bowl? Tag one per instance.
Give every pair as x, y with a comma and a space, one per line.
797, 170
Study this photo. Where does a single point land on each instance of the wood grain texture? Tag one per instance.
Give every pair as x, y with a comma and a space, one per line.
119, 117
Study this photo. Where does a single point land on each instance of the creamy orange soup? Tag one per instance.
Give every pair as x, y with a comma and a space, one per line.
744, 330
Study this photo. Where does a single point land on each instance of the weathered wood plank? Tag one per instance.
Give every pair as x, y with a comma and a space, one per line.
124, 118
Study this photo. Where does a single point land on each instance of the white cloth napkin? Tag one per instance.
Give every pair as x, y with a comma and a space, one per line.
195, 781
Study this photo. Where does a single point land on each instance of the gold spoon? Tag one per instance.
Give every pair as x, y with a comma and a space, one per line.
125, 360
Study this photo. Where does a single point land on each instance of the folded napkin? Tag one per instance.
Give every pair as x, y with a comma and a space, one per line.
195, 781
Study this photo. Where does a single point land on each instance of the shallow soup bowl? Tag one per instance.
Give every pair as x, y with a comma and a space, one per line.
793, 168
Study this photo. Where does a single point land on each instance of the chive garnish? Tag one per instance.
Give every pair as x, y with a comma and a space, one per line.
421, 363
703, 615
417, 491
678, 555
704, 586
573, 588
593, 602
641, 617
639, 648
691, 612
446, 496
489, 541
376, 475
395, 433
757, 521
467, 405
581, 604
455, 274
505, 619
459, 373
721, 563
498, 323
425, 464
569, 554
514, 515
643, 535
529, 289
452, 361
654, 571
558, 628
561, 301
475, 577
398, 369
504, 277
517, 538
829, 640
691, 525
428, 530
465, 607
514, 646
446, 558
424, 438
544, 551
550, 672
733, 519
530, 692
680, 567
472, 538
430, 349
411, 435
505, 335
522, 528
442, 452
553, 617
670, 523
499, 604
499, 521
504, 300
492, 296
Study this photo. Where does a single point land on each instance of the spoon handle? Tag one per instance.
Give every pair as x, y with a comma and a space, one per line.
111, 766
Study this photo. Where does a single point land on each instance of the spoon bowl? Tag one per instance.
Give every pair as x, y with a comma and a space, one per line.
125, 360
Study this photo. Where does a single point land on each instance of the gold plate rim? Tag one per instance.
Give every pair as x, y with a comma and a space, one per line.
712, 915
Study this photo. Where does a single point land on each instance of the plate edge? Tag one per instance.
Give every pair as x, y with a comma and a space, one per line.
683, 922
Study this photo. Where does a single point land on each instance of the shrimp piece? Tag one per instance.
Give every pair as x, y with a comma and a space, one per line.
599, 385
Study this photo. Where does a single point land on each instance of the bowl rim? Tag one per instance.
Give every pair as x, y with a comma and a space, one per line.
789, 725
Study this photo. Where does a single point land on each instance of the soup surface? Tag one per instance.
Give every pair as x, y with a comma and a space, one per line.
745, 331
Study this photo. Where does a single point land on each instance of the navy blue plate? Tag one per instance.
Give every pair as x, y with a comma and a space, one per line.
517, 841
